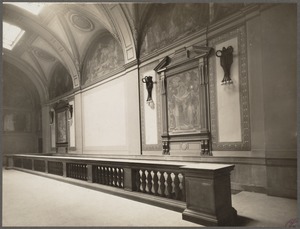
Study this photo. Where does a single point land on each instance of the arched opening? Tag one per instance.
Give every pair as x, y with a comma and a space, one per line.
22, 125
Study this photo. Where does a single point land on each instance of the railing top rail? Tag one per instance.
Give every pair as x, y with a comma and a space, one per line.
129, 162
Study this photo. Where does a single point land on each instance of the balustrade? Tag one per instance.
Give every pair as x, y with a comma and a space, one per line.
202, 190
160, 183
77, 171
107, 175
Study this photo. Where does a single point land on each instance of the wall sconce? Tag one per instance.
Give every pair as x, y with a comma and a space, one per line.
226, 59
149, 85
70, 112
51, 117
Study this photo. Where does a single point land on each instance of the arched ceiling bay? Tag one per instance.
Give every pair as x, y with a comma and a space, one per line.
62, 32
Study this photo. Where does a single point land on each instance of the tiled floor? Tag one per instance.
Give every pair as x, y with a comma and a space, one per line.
30, 200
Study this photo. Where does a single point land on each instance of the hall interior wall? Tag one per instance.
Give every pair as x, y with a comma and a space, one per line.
269, 165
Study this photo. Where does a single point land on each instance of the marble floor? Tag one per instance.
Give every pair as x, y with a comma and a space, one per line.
31, 200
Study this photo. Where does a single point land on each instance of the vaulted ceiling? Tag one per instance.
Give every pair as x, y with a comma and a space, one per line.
62, 33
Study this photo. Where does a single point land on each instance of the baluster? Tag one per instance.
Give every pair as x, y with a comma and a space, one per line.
176, 186
102, 175
80, 167
169, 185
106, 175
149, 181
121, 177
183, 188
143, 180
137, 180
77, 171
162, 184
155, 183
99, 174
115, 177
72, 170
79, 175
110, 176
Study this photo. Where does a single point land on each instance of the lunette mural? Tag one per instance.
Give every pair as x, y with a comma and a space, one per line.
104, 56
174, 21
60, 82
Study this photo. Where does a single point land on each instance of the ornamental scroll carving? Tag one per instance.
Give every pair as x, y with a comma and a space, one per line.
184, 86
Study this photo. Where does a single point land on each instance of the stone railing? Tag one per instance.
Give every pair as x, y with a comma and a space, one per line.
200, 190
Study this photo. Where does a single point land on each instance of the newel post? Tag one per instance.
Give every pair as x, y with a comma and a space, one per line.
10, 162
208, 194
129, 179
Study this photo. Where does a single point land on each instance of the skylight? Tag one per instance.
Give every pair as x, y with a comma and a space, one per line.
11, 35
33, 7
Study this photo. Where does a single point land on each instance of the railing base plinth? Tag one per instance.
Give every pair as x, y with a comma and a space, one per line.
228, 219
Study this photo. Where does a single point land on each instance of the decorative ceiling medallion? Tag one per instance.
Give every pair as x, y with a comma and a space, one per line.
81, 22
43, 54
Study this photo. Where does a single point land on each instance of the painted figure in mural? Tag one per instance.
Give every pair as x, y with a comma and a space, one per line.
61, 128
181, 98
183, 102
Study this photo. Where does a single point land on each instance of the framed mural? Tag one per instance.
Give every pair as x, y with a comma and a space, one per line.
16, 121
62, 110
61, 136
184, 97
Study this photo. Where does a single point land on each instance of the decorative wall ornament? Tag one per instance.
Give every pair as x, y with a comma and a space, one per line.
245, 144
81, 22
226, 60
41, 54
149, 85
158, 145
51, 117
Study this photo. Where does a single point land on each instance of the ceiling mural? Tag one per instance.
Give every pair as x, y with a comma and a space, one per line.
103, 57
